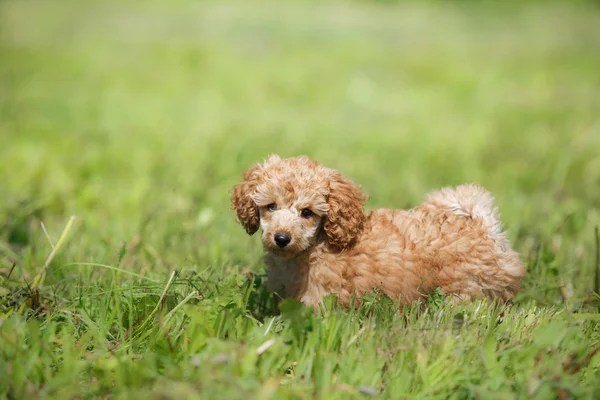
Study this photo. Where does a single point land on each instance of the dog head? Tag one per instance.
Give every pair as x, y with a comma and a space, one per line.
296, 202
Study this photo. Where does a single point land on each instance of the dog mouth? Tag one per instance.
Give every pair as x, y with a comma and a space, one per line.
273, 247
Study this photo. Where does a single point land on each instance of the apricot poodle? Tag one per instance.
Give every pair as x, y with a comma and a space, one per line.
318, 240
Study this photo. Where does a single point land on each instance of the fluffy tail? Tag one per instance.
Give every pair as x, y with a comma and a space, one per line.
472, 201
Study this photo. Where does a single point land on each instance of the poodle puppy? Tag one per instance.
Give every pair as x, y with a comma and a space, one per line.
319, 241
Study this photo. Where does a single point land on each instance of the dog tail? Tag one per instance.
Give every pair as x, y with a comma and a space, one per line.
470, 200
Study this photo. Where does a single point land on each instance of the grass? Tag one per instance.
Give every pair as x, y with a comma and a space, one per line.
138, 118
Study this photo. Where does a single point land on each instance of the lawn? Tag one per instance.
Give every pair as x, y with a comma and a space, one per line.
137, 118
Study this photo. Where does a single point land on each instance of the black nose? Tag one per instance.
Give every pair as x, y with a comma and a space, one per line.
282, 240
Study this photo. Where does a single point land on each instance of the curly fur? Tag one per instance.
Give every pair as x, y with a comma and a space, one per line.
247, 212
454, 240
346, 218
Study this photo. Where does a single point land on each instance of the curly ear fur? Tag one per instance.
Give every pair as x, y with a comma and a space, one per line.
242, 203
346, 217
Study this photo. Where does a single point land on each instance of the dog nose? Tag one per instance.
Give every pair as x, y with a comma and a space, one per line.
282, 239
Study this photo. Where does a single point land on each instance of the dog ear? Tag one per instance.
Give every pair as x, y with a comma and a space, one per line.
242, 202
346, 217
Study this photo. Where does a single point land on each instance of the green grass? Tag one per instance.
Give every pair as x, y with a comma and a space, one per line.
139, 117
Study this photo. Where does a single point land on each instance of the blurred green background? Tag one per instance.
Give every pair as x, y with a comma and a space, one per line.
139, 117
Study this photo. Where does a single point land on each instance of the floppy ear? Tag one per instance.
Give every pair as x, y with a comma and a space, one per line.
242, 202
346, 218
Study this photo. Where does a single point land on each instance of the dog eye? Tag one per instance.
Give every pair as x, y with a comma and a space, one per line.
272, 207
306, 213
